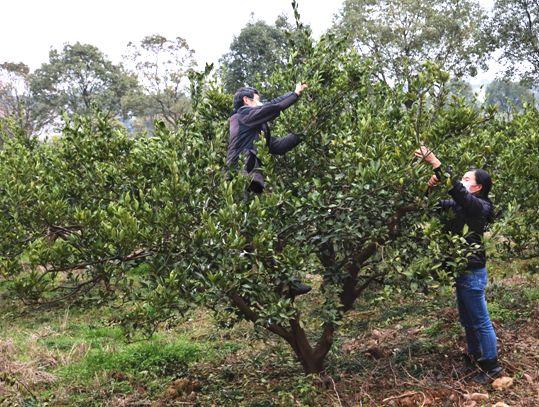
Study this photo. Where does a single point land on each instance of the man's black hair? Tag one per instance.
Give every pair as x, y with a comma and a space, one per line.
241, 93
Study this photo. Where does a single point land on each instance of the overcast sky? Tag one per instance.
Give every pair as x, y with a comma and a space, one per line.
31, 27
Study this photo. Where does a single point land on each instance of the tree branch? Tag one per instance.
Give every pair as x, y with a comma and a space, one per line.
251, 315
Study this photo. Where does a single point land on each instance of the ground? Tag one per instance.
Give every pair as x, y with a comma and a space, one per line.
404, 352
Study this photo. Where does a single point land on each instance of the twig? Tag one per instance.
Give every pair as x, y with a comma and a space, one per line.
368, 381
393, 371
420, 384
24, 386
408, 393
462, 393
424, 399
335, 390
412, 377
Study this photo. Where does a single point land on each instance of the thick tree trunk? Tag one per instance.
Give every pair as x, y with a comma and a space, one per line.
311, 365
311, 360
353, 286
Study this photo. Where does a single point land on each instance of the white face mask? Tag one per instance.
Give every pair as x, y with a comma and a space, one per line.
259, 103
467, 185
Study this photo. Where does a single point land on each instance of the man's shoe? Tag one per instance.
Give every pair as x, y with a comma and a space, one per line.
298, 288
490, 369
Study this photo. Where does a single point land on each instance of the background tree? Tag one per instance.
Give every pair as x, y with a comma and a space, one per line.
513, 29
77, 79
461, 88
15, 99
255, 53
162, 67
508, 96
401, 35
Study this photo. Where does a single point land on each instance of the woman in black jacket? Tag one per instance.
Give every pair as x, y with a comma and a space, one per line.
471, 206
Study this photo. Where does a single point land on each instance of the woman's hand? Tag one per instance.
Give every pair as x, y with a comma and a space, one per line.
428, 156
300, 87
433, 181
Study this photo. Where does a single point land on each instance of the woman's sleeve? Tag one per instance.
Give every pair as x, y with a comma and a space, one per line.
444, 205
469, 202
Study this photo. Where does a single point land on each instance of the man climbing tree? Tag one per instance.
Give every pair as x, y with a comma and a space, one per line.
250, 119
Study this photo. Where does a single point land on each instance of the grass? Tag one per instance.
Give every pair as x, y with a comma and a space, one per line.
76, 357
143, 359
88, 361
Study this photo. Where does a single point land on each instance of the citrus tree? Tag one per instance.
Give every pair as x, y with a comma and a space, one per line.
517, 175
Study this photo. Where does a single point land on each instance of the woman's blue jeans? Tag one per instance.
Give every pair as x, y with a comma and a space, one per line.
473, 312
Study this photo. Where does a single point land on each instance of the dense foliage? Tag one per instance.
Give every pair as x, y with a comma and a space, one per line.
154, 224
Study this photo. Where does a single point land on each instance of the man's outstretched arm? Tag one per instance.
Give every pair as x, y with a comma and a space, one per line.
256, 116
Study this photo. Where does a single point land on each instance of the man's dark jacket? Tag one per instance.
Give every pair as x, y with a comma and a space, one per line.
474, 211
246, 124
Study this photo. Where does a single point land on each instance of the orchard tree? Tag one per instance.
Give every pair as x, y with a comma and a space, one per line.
162, 66
516, 169
400, 36
77, 79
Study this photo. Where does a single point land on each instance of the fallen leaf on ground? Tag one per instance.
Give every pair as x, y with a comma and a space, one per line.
528, 378
479, 397
502, 383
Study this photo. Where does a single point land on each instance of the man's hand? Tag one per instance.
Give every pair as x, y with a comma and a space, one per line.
428, 156
300, 87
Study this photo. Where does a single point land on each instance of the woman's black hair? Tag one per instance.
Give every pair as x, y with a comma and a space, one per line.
484, 179
241, 93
